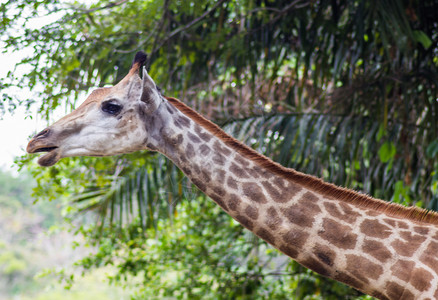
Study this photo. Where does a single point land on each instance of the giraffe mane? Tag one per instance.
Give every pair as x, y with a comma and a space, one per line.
329, 190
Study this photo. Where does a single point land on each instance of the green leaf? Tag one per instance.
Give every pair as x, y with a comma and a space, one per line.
432, 149
401, 193
387, 152
398, 190
422, 38
382, 132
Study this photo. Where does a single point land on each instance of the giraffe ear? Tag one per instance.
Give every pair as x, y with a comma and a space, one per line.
150, 95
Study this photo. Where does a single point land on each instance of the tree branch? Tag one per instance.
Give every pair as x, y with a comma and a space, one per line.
280, 13
109, 5
178, 30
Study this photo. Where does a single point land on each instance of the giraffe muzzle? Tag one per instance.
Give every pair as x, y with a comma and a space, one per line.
41, 143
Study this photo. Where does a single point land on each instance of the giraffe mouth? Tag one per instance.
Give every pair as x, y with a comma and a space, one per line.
44, 149
52, 155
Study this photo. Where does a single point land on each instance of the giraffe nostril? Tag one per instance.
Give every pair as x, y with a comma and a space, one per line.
43, 133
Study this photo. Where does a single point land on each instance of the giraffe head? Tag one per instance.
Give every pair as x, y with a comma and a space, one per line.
110, 121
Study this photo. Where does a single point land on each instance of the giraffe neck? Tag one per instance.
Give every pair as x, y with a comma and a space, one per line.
373, 251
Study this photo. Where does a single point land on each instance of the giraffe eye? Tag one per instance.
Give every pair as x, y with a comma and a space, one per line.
111, 107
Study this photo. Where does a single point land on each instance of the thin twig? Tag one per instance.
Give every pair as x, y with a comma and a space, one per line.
155, 31
265, 9
295, 4
178, 30
109, 5
160, 28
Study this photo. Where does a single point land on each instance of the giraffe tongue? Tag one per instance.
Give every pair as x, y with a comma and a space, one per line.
50, 158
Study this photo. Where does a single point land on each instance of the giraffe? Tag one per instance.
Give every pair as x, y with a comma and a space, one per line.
385, 250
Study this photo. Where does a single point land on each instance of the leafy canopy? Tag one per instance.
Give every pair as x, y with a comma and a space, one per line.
345, 90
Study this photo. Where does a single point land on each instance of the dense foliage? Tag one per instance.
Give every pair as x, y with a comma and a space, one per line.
345, 90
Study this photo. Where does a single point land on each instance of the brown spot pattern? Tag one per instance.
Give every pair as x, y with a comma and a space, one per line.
222, 149
396, 291
196, 168
376, 249
333, 210
379, 295
240, 160
193, 137
403, 269
184, 121
405, 248
349, 215
390, 222
372, 213
338, 234
309, 200
169, 109
362, 268
245, 221
206, 175
176, 140
204, 150
301, 215
324, 254
348, 279
280, 183
219, 200
421, 279
421, 230
273, 220
204, 136
289, 251
232, 183
315, 265
281, 196
264, 234
183, 159
219, 159
186, 170
252, 212
411, 237
402, 225
429, 257
238, 171
295, 238
190, 151
262, 172
151, 147
199, 184
309, 197
413, 214
375, 229
219, 190
233, 202
220, 176
410, 243
177, 124
253, 192
253, 173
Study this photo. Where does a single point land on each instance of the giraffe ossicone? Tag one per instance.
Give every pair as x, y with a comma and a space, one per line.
382, 249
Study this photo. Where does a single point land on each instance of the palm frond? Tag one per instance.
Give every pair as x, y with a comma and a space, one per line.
144, 195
